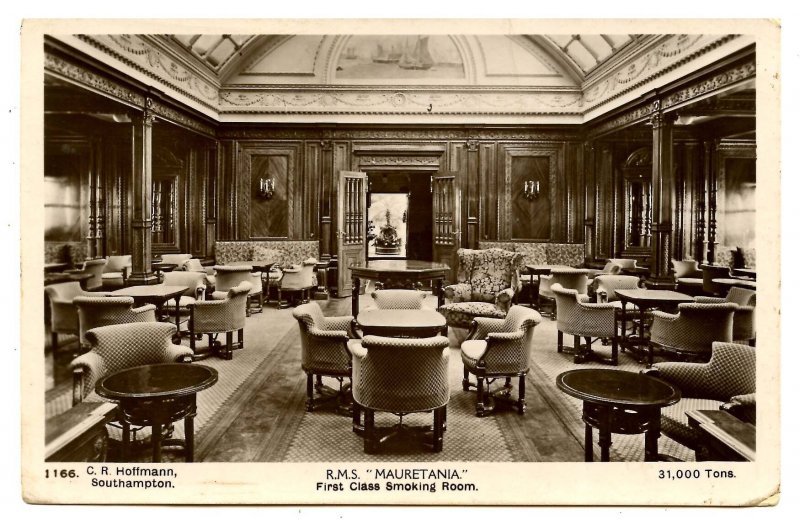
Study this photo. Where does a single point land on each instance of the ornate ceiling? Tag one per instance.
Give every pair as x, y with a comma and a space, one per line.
405, 78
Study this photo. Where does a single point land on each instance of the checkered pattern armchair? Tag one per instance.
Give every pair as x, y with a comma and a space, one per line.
568, 278
323, 342
94, 312
228, 277
298, 279
578, 317
399, 298
400, 376
226, 315
193, 264
175, 258
63, 313
116, 271
499, 348
123, 346
690, 332
727, 381
688, 276
487, 282
744, 316
95, 268
195, 284
609, 269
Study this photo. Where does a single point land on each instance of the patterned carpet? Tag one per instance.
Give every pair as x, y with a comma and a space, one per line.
264, 387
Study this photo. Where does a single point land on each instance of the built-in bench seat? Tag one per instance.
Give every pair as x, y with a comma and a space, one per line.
283, 252
543, 252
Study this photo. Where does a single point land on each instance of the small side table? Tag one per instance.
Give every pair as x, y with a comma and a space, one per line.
156, 395
621, 402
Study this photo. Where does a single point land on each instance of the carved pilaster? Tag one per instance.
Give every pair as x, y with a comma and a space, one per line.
663, 196
711, 176
142, 150
590, 197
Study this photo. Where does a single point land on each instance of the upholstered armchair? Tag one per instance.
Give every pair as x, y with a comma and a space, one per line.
688, 276
568, 278
323, 341
225, 315
63, 314
276, 271
499, 348
399, 298
193, 264
116, 271
578, 317
122, 346
693, 329
487, 282
710, 272
95, 268
175, 258
609, 269
195, 284
727, 382
606, 286
744, 316
94, 312
400, 376
298, 279
228, 277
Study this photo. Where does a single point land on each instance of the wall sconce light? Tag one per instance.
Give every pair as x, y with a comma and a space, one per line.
266, 188
531, 189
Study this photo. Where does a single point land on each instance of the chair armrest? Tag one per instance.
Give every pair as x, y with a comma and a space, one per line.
666, 317
709, 300
141, 310
328, 335
458, 292
505, 337
689, 377
178, 353
742, 407
342, 323
357, 350
504, 297
90, 364
482, 326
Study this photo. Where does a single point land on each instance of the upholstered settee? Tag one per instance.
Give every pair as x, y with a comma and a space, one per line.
542, 252
724, 256
283, 252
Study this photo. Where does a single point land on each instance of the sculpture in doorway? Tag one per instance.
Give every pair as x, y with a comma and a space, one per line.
387, 242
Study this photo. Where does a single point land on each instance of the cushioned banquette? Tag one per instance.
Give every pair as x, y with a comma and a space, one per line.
283, 252
543, 252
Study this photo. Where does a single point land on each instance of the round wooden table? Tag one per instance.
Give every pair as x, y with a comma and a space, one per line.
415, 323
156, 395
622, 402
398, 274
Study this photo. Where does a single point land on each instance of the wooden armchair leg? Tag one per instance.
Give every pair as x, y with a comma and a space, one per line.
560, 348
521, 401
240, 338
309, 392
480, 407
465, 381
370, 444
438, 428
54, 343
579, 357
228, 345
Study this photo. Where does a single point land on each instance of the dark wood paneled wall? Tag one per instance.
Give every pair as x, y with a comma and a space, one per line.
491, 166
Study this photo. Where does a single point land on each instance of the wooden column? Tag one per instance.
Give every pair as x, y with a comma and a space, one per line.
709, 170
142, 153
663, 197
590, 195
473, 194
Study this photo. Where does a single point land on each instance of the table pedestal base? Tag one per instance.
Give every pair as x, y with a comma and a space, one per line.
627, 421
159, 414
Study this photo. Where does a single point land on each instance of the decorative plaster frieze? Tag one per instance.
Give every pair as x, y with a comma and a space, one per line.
92, 80
671, 53
730, 76
404, 160
169, 113
143, 56
400, 102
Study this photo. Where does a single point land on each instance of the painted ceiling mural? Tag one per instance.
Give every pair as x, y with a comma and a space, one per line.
396, 57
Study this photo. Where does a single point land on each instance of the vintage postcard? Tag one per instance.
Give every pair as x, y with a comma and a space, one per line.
405, 262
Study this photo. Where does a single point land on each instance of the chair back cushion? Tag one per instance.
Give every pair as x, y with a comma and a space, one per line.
569, 278
402, 375
94, 312
741, 296
117, 263
494, 270
228, 277
63, 292
125, 346
624, 263
267, 253
398, 298
175, 258
96, 267
686, 268
731, 370
193, 280
610, 283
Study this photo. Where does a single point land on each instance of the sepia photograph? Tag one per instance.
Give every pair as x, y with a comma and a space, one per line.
400, 262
